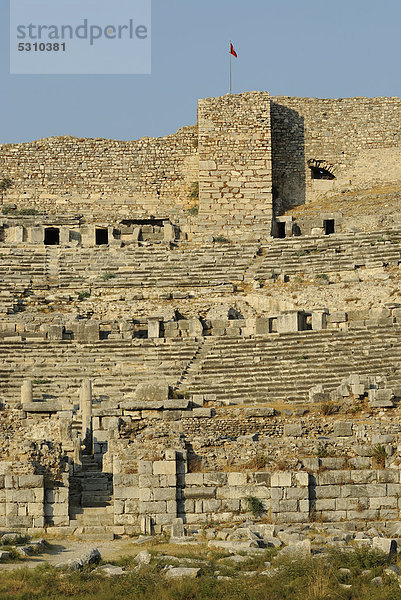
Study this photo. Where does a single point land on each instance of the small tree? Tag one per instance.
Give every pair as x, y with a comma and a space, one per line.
5, 183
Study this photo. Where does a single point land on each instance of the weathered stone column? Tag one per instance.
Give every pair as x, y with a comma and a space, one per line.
77, 449
26, 392
86, 410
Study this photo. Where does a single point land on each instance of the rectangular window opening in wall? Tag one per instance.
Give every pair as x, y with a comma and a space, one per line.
52, 236
280, 230
328, 225
102, 237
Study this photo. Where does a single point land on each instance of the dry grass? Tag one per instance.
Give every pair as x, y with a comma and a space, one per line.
354, 202
303, 579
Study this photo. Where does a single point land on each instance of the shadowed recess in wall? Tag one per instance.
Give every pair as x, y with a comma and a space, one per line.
288, 157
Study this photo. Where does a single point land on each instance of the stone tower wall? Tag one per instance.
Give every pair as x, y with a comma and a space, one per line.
246, 148
235, 163
359, 137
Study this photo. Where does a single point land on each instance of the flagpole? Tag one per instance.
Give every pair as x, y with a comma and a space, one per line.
230, 68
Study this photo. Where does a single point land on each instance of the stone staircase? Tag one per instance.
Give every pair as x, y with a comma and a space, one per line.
193, 365
52, 266
91, 502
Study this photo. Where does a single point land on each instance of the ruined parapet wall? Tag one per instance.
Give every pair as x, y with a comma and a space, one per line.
358, 140
150, 176
235, 165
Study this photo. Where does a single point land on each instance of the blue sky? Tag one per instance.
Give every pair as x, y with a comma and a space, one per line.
286, 47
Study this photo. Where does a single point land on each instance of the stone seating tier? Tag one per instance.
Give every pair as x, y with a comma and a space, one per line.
278, 367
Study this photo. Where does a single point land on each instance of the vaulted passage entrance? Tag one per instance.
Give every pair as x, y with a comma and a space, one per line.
321, 169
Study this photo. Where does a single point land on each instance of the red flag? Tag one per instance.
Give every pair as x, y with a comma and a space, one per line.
232, 51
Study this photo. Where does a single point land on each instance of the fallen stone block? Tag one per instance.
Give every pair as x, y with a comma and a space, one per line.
386, 545
45, 406
9, 539
143, 558
91, 557
234, 547
176, 572
293, 429
111, 570
342, 429
262, 411
297, 550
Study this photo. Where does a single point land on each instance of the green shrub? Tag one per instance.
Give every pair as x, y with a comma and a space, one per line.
194, 210
9, 209
83, 295
322, 277
28, 211
255, 506
220, 239
194, 191
106, 276
322, 451
328, 408
5, 184
40, 381
379, 456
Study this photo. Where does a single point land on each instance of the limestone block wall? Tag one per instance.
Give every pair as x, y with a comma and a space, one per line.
22, 501
235, 172
219, 497
361, 494
290, 497
126, 499
359, 138
328, 495
152, 492
56, 502
143, 177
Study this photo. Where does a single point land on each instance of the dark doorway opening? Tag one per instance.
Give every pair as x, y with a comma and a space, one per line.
328, 226
280, 230
52, 236
102, 237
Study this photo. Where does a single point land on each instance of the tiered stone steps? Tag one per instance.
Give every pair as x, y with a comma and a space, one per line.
334, 253
189, 265
155, 266
115, 367
22, 267
284, 367
269, 368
